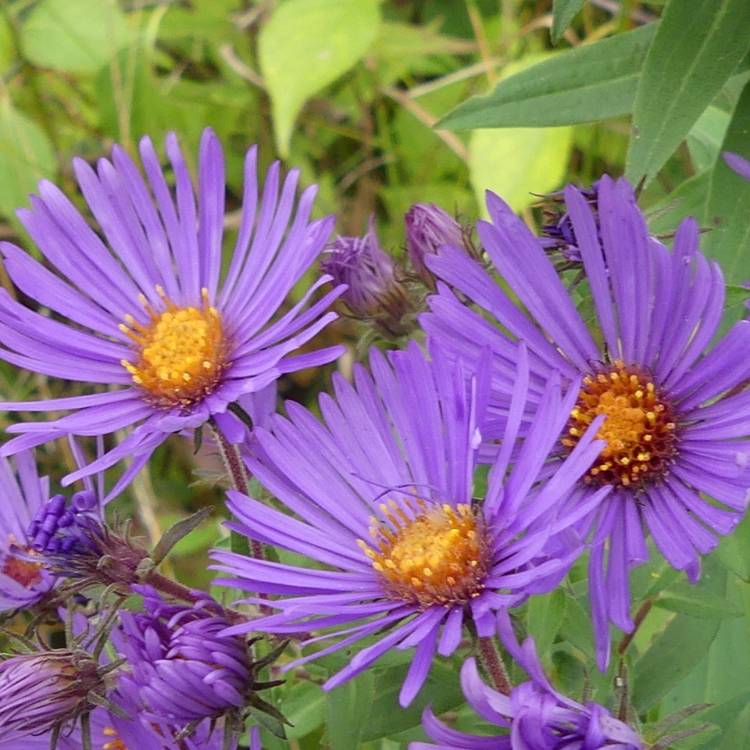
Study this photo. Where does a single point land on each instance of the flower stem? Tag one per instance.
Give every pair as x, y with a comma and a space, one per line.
493, 664
236, 469
640, 616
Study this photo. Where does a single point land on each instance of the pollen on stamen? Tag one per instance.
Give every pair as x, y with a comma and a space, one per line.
427, 553
181, 354
640, 427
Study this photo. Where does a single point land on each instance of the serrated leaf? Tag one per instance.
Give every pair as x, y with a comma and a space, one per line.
592, 82
26, 156
695, 50
728, 205
347, 710
75, 36
563, 12
308, 44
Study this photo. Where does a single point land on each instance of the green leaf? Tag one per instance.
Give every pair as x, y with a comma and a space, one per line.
728, 206
304, 705
75, 36
691, 601
563, 13
545, 615
688, 199
591, 82
705, 137
26, 156
516, 162
734, 550
308, 44
696, 48
347, 710
441, 691
671, 656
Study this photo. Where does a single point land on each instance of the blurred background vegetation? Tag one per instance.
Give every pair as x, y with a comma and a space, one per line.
350, 91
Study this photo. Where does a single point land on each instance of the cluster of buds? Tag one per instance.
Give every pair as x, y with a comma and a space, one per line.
382, 290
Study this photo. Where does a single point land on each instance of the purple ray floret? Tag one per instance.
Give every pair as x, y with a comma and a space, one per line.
677, 409
381, 494
533, 717
141, 304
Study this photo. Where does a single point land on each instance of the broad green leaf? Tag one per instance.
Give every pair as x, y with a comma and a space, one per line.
688, 199
75, 36
671, 656
696, 48
691, 601
705, 137
441, 691
347, 710
26, 156
544, 617
516, 162
308, 44
563, 13
591, 82
734, 551
7, 48
728, 210
304, 704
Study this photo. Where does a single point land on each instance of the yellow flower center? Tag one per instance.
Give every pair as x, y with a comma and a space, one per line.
639, 429
427, 553
180, 354
115, 743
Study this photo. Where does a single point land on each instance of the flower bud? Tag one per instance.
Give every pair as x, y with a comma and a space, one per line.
428, 228
181, 668
44, 690
375, 292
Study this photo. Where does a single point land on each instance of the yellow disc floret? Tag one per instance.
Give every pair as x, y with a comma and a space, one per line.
428, 553
180, 354
639, 429
115, 743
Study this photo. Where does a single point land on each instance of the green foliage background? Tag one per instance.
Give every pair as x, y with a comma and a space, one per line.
350, 91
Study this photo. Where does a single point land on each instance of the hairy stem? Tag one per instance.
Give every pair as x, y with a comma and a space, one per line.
493, 664
640, 616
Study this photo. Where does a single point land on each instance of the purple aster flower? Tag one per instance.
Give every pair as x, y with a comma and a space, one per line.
676, 424
181, 668
144, 307
428, 228
534, 716
374, 291
40, 691
74, 542
382, 494
24, 580
738, 164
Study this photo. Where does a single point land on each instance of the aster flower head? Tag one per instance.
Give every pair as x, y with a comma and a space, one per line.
674, 407
181, 668
374, 291
534, 715
46, 690
143, 306
24, 579
381, 493
74, 542
428, 228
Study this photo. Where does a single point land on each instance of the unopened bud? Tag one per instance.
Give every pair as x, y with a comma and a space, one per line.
428, 228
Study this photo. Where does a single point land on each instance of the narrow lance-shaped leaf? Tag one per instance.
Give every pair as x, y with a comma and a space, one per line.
695, 50
589, 83
563, 12
728, 207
